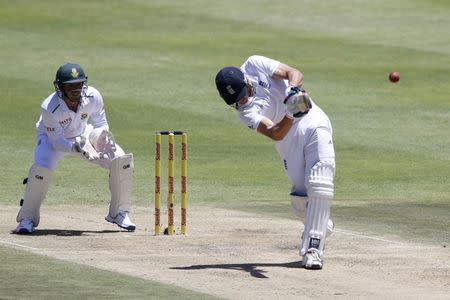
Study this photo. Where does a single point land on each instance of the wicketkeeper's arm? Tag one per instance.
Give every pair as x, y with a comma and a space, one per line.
98, 117
55, 133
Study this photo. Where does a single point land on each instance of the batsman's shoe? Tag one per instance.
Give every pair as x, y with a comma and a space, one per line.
311, 260
122, 220
25, 226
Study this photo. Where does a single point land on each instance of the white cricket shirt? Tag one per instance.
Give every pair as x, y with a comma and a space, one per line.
269, 93
61, 124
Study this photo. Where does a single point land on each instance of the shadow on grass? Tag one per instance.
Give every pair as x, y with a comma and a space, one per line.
254, 269
61, 232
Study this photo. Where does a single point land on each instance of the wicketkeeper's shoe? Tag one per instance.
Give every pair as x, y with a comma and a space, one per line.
312, 260
25, 226
122, 220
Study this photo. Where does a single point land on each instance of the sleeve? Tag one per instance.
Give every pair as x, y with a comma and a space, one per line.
260, 63
55, 132
98, 116
251, 116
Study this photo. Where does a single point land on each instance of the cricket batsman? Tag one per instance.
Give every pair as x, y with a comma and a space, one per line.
269, 98
73, 122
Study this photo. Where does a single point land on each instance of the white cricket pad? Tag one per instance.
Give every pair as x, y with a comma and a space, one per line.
320, 194
36, 189
298, 206
121, 184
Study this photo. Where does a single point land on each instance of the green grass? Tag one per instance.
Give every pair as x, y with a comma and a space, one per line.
30, 276
155, 62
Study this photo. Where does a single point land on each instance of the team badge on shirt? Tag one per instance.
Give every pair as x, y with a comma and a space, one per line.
84, 116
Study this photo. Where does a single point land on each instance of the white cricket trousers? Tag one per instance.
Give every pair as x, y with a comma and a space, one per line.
308, 141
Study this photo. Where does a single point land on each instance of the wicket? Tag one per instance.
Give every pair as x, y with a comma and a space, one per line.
171, 173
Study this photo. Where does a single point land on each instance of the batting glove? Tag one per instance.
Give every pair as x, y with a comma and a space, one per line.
297, 101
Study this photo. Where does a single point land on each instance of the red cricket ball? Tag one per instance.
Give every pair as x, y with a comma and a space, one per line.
394, 76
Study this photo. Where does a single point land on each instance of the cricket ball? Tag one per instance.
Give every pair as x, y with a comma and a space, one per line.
394, 76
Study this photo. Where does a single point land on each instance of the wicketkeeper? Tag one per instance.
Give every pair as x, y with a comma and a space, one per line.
269, 98
73, 122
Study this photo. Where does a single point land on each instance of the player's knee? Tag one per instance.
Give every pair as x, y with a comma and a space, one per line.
320, 183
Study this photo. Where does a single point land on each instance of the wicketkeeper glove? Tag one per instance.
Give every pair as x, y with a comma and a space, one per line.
77, 147
297, 101
103, 142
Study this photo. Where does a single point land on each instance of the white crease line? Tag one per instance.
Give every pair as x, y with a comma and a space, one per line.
370, 237
206, 235
19, 245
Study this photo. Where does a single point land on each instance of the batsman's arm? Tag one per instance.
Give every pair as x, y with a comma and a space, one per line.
275, 131
292, 75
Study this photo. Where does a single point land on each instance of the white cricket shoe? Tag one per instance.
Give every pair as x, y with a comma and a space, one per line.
25, 226
312, 260
122, 220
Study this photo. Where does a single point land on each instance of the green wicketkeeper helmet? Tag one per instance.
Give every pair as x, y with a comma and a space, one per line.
69, 73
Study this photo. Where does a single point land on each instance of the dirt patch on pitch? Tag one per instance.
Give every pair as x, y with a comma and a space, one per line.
237, 255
